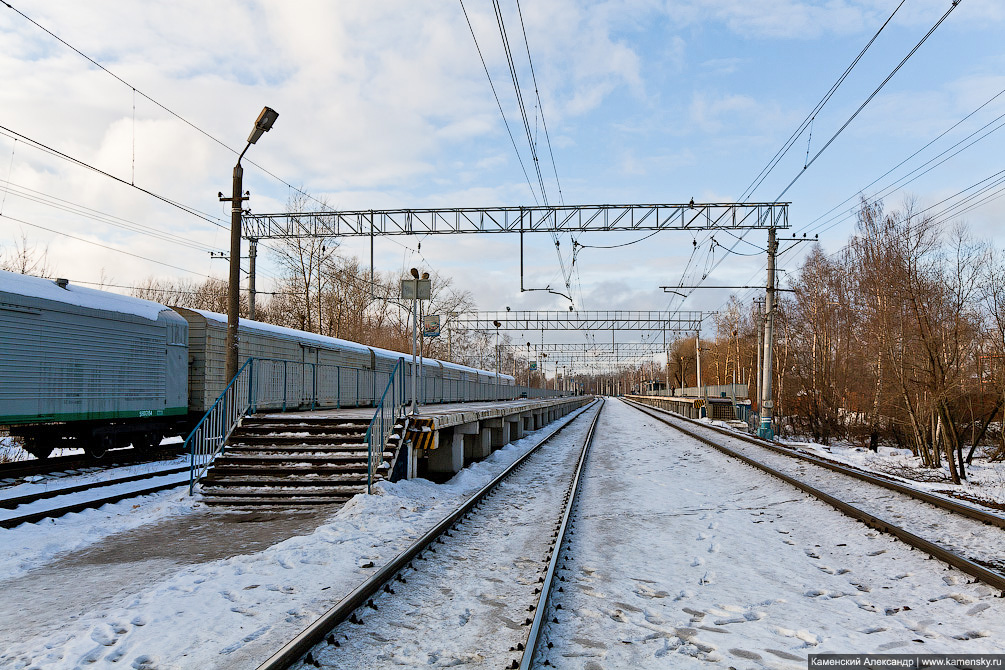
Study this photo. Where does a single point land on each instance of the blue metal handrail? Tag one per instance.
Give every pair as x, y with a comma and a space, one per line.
384, 417
207, 439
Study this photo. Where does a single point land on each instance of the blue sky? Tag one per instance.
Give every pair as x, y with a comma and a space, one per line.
385, 104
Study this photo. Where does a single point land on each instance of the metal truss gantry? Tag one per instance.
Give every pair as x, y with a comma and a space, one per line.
538, 219
589, 354
580, 320
591, 348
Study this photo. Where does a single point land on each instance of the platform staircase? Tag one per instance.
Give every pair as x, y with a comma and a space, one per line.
293, 462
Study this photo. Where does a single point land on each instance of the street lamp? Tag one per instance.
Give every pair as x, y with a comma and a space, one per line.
262, 125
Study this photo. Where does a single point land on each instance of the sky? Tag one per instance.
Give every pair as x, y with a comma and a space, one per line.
386, 105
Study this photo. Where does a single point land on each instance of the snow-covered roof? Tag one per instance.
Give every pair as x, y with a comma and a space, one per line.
323, 340
46, 289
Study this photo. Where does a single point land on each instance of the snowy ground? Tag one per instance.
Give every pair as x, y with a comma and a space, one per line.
682, 558
466, 603
686, 558
186, 613
29, 546
985, 480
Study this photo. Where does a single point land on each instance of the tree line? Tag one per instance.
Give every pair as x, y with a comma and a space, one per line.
898, 338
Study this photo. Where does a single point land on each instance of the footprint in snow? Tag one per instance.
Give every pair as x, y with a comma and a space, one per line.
702, 536
145, 662
977, 609
465, 617
697, 562
713, 548
708, 578
104, 635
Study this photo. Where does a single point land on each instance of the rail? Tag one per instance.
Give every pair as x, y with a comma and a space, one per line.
972, 567
384, 418
209, 436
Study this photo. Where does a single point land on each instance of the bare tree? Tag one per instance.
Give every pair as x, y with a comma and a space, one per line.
27, 259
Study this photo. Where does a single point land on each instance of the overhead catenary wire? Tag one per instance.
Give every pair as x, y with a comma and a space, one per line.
858, 110
882, 85
511, 63
901, 163
808, 121
61, 204
495, 94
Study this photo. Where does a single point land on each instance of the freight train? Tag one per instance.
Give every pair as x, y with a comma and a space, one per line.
90, 369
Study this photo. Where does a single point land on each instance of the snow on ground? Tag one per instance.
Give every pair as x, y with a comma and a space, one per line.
445, 617
985, 480
682, 558
234, 612
31, 545
685, 558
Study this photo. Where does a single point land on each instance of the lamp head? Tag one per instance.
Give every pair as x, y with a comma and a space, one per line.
263, 124
425, 275
414, 273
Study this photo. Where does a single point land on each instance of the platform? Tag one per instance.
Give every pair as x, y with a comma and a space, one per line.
445, 436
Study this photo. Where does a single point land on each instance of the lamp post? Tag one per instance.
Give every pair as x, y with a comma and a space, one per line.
528, 368
497, 324
415, 327
262, 125
544, 371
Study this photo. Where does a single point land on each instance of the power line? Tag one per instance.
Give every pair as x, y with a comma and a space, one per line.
859, 109
42, 147
98, 244
498, 103
157, 103
808, 121
901, 163
931, 164
530, 136
101, 217
540, 105
871, 96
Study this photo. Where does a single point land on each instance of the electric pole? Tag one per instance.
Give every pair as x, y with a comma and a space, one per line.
766, 431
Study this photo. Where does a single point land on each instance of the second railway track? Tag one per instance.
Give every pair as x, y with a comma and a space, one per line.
963, 536
507, 534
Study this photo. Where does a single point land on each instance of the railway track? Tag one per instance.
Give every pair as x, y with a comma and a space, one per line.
967, 537
81, 464
59, 500
509, 532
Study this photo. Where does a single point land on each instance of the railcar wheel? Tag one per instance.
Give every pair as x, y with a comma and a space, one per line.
98, 446
37, 450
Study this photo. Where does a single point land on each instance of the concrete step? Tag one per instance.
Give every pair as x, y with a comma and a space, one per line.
277, 502
293, 454
281, 480
297, 438
271, 462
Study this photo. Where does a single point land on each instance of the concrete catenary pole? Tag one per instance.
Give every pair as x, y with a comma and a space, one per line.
766, 431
